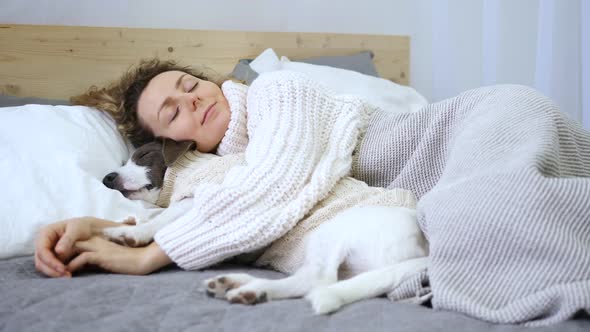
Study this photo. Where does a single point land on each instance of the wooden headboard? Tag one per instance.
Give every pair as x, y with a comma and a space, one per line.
61, 61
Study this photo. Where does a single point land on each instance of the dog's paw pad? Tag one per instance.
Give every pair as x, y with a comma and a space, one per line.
118, 241
220, 285
130, 242
127, 236
246, 297
323, 301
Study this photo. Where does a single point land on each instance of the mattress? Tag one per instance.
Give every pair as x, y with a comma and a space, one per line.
174, 300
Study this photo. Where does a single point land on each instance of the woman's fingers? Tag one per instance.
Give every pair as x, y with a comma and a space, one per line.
45, 260
46, 269
88, 245
75, 230
64, 246
86, 255
91, 245
82, 260
129, 221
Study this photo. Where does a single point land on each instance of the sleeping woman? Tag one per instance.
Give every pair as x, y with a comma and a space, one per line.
501, 177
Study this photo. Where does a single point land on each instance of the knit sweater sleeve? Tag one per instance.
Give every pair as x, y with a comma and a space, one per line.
263, 199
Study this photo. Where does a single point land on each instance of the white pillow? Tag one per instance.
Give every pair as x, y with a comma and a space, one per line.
53, 159
380, 92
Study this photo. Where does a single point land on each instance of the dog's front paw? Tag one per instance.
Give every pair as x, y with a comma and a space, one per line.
220, 285
132, 236
323, 300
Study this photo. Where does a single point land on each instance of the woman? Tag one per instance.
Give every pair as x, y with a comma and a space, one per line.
296, 154
502, 178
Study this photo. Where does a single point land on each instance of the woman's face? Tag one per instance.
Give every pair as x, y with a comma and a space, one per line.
182, 107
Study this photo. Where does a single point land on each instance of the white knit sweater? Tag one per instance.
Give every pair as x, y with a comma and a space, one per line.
300, 143
285, 254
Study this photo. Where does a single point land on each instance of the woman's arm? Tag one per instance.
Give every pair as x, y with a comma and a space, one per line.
57, 243
115, 258
154, 258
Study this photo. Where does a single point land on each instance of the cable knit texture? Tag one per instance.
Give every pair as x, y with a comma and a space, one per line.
301, 141
194, 168
235, 139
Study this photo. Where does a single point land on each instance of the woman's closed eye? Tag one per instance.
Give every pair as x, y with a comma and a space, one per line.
176, 112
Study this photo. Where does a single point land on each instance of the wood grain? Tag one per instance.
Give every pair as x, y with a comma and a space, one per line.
61, 61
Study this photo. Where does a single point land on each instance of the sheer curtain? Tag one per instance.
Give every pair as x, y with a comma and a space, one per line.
539, 43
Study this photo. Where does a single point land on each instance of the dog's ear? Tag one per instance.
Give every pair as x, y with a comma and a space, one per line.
172, 150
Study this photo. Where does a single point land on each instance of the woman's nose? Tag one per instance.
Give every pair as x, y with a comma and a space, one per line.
193, 102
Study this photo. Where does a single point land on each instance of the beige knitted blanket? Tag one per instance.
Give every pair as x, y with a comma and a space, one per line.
287, 253
503, 182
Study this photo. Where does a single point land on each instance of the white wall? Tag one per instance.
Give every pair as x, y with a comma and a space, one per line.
456, 44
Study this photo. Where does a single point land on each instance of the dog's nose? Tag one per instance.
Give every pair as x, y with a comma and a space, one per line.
109, 180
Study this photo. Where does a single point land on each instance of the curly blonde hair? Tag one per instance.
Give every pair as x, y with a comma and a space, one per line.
119, 98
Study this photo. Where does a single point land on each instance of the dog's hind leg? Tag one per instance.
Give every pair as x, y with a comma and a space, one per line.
320, 269
247, 289
326, 299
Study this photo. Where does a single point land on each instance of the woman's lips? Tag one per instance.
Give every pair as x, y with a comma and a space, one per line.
208, 112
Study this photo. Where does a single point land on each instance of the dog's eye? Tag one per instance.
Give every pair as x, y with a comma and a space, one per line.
149, 187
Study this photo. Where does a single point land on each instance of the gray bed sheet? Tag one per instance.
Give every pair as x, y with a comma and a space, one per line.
174, 300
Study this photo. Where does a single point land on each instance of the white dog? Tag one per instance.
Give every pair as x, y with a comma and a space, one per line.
374, 247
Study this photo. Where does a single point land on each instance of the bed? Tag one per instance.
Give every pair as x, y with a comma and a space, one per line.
51, 62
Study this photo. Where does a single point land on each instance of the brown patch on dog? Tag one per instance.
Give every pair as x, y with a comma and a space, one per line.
172, 150
130, 242
118, 241
151, 156
250, 297
237, 299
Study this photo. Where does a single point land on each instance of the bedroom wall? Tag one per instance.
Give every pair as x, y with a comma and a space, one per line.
456, 44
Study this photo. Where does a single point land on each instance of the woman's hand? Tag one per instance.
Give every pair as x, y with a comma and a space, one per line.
115, 258
54, 243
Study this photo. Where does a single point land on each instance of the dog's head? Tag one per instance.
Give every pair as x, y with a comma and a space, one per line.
142, 176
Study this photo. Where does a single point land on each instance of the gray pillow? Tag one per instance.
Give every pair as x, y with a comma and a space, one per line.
361, 62
7, 101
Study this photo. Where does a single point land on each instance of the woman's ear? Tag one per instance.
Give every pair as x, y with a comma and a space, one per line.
172, 150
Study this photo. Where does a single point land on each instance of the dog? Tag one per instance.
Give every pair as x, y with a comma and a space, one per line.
142, 178
378, 247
